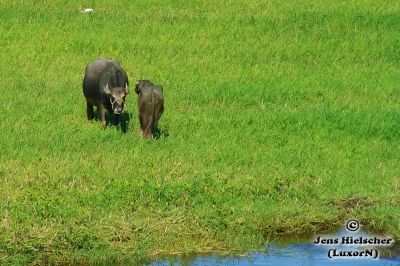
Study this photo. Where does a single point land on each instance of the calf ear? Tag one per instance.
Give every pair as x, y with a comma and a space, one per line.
126, 88
106, 89
137, 87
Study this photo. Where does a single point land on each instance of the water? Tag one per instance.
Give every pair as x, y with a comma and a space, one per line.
306, 253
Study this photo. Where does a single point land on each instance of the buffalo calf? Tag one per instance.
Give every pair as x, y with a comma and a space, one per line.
150, 106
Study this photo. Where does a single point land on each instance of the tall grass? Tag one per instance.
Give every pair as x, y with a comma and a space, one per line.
281, 117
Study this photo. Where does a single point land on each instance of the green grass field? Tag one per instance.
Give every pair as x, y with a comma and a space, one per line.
282, 118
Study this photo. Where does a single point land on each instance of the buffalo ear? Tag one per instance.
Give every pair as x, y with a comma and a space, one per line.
126, 88
106, 89
137, 87
161, 88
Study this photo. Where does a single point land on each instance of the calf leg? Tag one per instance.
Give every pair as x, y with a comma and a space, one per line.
147, 132
145, 126
141, 125
159, 112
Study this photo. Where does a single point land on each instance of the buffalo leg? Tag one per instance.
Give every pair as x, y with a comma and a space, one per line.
89, 111
102, 115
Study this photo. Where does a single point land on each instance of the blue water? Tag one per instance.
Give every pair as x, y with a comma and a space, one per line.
306, 253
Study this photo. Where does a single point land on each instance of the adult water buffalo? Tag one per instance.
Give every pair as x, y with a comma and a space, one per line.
105, 86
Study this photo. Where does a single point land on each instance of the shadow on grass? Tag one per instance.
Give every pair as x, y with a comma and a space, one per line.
124, 121
121, 121
160, 133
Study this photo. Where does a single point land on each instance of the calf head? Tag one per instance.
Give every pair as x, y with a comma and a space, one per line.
140, 84
116, 97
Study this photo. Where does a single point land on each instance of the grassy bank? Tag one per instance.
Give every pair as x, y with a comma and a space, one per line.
281, 117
